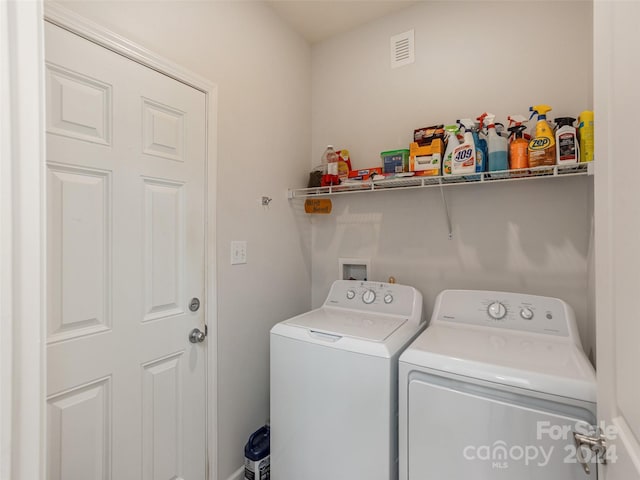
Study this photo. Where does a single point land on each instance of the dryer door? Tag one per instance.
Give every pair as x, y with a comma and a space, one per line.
459, 430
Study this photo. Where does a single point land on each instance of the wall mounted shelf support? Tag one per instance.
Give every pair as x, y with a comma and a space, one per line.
446, 212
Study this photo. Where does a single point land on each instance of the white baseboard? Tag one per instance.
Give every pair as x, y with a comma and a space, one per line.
238, 474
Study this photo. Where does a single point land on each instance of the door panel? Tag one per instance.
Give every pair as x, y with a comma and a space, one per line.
164, 248
79, 251
125, 170
163, 134
78, 422
162, 427
78, 106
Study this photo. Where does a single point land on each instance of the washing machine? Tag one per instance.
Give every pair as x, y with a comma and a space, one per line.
334, 383
495, 388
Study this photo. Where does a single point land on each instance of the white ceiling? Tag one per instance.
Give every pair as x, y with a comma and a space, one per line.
317, 20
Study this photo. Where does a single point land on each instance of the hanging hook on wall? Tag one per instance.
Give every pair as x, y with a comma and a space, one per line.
266, 201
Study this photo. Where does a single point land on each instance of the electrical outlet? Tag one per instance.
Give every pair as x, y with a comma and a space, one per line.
238, 252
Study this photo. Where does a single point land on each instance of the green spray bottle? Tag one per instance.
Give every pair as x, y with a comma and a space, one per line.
452, 143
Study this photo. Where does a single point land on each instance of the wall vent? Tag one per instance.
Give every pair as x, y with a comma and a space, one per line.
402, 51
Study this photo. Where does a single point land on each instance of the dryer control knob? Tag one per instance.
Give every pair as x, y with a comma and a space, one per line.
350, 294
369, 297
388, 298
497, 310
526, 313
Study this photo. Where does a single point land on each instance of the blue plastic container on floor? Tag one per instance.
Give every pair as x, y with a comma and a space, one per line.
257, 459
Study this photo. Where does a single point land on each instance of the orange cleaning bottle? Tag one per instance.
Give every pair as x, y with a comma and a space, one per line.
518, 148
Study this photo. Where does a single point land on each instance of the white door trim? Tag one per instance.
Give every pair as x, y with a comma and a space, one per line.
613, 409
22, 242
64, 18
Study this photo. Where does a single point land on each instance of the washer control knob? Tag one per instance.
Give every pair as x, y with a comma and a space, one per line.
497, 310
369, 297
351, 294
388, 298
526, 313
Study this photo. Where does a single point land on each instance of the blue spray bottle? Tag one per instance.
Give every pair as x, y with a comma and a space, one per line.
498, 146
482, 155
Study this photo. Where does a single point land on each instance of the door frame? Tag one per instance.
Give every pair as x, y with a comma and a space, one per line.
22, 241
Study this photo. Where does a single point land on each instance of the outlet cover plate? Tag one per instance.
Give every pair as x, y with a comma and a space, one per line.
238, 252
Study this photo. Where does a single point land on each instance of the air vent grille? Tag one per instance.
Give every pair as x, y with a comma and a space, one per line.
402, 49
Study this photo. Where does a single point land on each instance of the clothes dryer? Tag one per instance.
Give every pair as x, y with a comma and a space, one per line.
494, 389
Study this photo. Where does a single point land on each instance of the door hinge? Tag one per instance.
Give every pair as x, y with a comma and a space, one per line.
206, 330
590, 449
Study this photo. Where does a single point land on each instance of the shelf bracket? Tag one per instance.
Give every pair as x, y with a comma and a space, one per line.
446, 212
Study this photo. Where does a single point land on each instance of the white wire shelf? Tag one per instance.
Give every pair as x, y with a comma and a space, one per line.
557, 171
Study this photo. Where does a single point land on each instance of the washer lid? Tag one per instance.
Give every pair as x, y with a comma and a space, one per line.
342, 322
535, 362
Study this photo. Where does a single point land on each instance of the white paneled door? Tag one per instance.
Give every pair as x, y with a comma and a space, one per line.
125, 231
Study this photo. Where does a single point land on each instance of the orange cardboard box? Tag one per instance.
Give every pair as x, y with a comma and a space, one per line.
364, 173
426, 160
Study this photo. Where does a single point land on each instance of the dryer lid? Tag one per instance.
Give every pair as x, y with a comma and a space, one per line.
535, 362
342, 322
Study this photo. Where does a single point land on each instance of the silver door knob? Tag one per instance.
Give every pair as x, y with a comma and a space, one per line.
197, 336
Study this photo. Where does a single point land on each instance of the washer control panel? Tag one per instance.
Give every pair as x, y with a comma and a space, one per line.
513, 311
378, 297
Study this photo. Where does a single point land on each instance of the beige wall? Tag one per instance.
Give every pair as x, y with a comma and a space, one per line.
528, 237
262, 70
470, 57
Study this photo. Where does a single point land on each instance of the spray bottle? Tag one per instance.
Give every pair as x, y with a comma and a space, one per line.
567, 147
463, 159
585, 128
482, 148
516, 121
518, 148
497, 145
542, 147
452, 143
